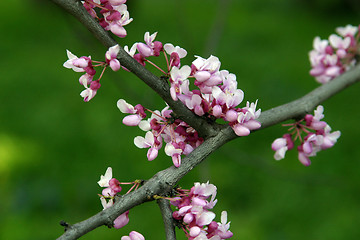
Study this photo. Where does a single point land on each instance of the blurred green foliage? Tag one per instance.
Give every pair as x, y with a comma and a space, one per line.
53, 146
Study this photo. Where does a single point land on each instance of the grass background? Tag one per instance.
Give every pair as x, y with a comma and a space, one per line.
54, 147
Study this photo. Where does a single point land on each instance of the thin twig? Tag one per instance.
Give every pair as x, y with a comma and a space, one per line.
168, 219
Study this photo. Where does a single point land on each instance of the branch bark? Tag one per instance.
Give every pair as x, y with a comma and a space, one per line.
215, 135
168, 219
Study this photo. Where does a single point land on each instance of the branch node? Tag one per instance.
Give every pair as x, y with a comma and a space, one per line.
66, 225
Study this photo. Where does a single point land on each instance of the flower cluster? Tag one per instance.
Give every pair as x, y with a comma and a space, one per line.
179, 137
114, 15
332, 57
195, 215
318, 139
111, 188
215, 96
86, 64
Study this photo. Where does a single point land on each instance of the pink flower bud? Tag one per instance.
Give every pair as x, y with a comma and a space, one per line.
231, 116
158, 47
194, 231
122, 220
252, 124
115, 65
175, 59
240, 130
95, 85
136, 236
152, 154
304, 159
132, 120
217, 111
188, 218
115, 185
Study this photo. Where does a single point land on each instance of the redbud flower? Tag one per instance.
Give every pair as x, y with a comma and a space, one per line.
194, 212
150, 48
176, 53
322, 137
281, 145
121, 220
228, 94
117, 19
111, 57
133, 236
104, 179
149, 142
174, 153
70, 62
138, 113
332, 57
178, 77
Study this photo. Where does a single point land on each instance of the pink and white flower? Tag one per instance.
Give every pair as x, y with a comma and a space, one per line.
111, 57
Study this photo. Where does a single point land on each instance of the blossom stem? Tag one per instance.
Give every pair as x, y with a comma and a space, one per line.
167, 61
156, 114
102, 72
156, 66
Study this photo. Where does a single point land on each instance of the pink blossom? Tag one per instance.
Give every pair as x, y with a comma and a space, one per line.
137, 113
223, 227
178, 78
348, 30
70, 62
133, 236
117, 19
176, 53
332, 57
193, 211
174, 153
111, 57
228, 94
318, 137
246, 120
149, 142
149, 48
281, 145
121, 220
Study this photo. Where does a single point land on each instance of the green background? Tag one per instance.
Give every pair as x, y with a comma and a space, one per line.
54, 147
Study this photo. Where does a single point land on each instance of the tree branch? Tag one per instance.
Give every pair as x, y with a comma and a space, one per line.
163, 181
215, 135
168, 219
160, 86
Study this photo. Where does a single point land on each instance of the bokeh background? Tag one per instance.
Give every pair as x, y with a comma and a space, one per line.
54, 147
